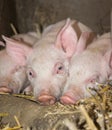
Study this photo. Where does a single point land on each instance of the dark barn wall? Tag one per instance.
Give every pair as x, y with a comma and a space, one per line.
7, 16
94, 13
24, 14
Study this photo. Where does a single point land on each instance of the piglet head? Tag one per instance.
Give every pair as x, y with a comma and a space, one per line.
17, 52
47, 74
87, 70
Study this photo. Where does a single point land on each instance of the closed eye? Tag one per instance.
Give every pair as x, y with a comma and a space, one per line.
92, 79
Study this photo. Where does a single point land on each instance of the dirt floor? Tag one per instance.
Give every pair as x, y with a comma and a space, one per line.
23, 113
94, 13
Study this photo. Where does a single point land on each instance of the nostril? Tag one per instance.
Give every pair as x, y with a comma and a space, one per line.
52, 101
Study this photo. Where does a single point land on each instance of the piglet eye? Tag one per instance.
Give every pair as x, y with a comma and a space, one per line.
59, 68
31, 74
93, 80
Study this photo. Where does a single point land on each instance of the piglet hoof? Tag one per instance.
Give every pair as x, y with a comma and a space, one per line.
5, 90
66, 99
46, 99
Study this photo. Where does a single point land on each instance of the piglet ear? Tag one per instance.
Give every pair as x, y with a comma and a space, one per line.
67, 39
82, 42
17, 50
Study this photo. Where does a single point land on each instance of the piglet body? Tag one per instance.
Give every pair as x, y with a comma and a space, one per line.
13, 76
48, 64
91, 65
29, 38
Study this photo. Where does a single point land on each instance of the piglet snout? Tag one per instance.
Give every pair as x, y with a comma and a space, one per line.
67, 99
5, 90
46, 99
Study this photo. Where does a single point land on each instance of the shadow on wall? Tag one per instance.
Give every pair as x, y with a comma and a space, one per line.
7, 16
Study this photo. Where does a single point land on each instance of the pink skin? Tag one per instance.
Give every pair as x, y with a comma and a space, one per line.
48, 63
12, 66
91, 65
